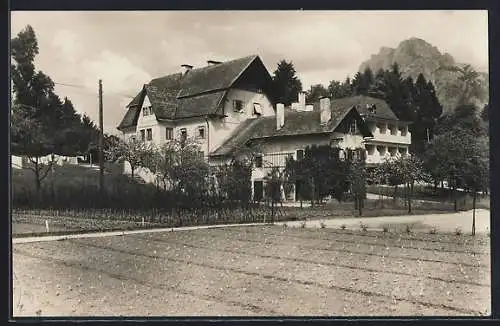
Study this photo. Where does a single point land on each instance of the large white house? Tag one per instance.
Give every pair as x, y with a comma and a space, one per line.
229, 105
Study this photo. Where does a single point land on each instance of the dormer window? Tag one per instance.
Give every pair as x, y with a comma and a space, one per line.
372, 109
257, 109
147, 111
237, 105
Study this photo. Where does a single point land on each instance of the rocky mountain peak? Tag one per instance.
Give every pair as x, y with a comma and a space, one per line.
415, 56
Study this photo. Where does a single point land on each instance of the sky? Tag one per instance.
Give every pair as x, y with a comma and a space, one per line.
128, 49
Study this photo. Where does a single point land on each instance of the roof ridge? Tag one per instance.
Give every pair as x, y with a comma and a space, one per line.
165, 76
224, 62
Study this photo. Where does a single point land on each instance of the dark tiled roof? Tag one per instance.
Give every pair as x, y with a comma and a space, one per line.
136, 100
296, 123
238, 137
215, 77
199, 105
130, 117
383, 111
197, 93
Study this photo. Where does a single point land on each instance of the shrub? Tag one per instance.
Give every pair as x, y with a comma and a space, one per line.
363, 226
303, 224
322, 225
433, 230
458, 231
343, 226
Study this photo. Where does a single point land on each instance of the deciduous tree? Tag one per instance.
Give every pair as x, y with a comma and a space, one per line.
133, 151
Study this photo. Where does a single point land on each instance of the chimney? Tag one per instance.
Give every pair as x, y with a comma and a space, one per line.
186, 68
213, 63
325, 111
302, 101
280, 115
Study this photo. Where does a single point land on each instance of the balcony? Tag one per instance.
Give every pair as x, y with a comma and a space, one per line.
379, 154
390, 134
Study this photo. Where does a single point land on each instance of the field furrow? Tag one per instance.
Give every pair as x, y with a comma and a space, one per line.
452, 273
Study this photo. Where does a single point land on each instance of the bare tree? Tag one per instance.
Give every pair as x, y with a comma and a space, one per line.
135, 152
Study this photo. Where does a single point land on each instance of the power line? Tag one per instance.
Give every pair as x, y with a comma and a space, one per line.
87, 89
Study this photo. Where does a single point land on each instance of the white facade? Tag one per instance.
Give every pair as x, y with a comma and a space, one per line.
221, 129
216, 130
17, 162
390, 139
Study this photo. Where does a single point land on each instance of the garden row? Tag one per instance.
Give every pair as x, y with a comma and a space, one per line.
277, 278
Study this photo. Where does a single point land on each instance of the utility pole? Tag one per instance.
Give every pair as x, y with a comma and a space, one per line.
101, 141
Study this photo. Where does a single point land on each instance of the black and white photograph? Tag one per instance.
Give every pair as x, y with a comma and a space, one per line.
265, 163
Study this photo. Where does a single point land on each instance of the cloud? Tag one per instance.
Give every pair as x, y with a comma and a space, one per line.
69, 45
81, 47
118, 73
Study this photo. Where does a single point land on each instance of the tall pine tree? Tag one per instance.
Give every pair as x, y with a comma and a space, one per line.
286, 82
390, 86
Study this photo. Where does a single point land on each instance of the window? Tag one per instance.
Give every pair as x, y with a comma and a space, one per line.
342, 155
201, 154
300, 154
361, 154
201, 132
257, 109
403, 131
258, 161
350, 155
237, 105
149, 134
372, 109
146, 111
183, 134
353, 127
143, 135
169, 133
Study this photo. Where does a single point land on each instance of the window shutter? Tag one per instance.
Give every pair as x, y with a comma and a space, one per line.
257, 108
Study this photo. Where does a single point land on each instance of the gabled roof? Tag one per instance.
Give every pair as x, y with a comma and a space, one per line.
197, 93
296, 123
383, 110
215, 77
